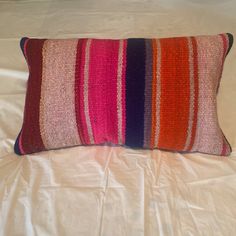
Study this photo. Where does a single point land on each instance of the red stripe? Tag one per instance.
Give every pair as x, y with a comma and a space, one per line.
196, 91
175, 93
30, 137
79, 86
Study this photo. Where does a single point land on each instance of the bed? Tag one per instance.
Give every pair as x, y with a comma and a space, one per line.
105, 190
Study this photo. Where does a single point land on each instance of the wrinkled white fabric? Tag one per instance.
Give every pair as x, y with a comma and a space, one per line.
113, 190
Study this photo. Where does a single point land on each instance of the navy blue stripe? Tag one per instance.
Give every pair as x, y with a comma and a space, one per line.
16, 145
231, 41
22, 44
135, 86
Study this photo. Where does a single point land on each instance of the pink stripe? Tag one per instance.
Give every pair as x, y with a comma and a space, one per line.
103, 90
123, 91
83, 126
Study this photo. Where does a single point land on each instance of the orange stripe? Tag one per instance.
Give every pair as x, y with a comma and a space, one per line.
175, 93
154, 86
195, 62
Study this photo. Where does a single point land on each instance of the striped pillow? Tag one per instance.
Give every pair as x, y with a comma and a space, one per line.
142, 93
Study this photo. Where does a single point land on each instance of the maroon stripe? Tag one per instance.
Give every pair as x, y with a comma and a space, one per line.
77, 89
30, 134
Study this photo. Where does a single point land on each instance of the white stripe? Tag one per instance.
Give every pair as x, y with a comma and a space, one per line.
158, 91
119, 90
57, 116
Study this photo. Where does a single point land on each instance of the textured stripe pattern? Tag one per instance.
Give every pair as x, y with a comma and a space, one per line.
142, 93
57, 93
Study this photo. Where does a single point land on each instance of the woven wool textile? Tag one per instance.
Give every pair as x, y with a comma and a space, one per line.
142, 93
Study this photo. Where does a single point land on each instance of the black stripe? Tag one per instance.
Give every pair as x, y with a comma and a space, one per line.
231, 41
135, 85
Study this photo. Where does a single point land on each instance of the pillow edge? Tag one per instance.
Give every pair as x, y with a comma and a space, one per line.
231, 42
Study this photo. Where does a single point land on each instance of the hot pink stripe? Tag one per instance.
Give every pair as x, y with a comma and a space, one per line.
83, 127
123, 91
103, 90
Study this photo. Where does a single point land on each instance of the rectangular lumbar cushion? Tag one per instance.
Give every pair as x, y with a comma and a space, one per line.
142, 93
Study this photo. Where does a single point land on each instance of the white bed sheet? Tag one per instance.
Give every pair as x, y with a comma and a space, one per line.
113, 190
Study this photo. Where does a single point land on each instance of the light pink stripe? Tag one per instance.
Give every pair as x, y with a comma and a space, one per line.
119, 91
103, 90
158, 93
57, 109
123, 91
208, 133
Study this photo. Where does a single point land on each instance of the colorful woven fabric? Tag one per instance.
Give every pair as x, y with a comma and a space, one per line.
142, 93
